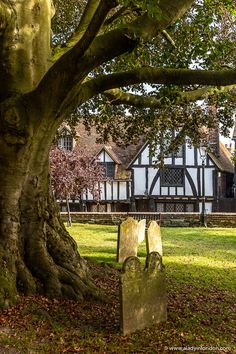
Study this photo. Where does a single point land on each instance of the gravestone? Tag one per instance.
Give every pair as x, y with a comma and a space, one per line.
153, 238
127, 239
141, 230
143, 293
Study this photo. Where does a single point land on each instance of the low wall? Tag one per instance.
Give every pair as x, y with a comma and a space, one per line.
165, 219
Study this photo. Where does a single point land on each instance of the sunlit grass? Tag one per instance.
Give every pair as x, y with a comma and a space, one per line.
201, 255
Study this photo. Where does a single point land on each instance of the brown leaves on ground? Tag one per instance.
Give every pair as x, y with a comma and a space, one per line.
196, 317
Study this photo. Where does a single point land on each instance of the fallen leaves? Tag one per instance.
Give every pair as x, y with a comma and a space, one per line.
196, 316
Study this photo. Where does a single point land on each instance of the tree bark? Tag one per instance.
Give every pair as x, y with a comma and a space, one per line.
37, 255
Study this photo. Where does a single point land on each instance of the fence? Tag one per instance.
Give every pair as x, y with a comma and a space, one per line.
165, 219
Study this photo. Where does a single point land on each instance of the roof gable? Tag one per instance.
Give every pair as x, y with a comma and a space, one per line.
138, 154
110, 153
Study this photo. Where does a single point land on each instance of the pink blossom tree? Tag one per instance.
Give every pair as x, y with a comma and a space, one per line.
73, 173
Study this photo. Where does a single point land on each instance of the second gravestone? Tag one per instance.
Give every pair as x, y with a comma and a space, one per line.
153, 238
143, 293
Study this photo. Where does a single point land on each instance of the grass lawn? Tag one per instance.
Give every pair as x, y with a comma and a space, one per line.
201, 284
201, 256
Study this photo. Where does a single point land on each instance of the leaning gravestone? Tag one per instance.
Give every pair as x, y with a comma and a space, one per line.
127, 239
141, 230
143, 293
153, 238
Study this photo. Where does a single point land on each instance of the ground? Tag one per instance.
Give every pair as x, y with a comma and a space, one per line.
201, 300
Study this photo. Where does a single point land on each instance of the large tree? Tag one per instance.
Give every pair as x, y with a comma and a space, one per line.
108, 45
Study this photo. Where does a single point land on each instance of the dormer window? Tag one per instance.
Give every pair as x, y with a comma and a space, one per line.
65, 140
109, 169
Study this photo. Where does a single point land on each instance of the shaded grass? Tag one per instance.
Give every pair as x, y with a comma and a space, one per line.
200, 272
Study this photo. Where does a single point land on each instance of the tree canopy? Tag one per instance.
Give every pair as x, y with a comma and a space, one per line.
167, 77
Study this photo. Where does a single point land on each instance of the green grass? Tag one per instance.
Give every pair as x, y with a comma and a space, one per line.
203, 256
200, 274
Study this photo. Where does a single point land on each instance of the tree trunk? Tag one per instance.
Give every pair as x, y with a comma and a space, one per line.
37, 255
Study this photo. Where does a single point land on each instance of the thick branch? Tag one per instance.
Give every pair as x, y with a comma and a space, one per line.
117, 97
65, 83
164, 76
91, 88
90, 23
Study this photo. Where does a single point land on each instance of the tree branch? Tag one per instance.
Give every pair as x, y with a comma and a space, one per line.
90, 24
64, 83
118, 97
164, 76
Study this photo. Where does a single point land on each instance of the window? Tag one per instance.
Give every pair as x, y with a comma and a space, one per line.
160, 207
109, 169
65, 142
172, 177
174, 207
190, 208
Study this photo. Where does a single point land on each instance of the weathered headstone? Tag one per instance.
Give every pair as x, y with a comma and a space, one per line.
141, 230
153, 238
143, 293
127, 239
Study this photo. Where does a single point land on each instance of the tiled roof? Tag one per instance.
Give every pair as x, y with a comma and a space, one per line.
223, 161
120, 154
124, 155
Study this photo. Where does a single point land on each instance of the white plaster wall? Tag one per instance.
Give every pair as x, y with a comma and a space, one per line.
102, 194
108, 158
145, 156
123, 192
168, 161
188, 189
209, 181
156, 189
180, 191
211, 163
193, 174
115, 185
151, 174
139, 181
189, 155
90, 196
164, 190
108, 191
179, 161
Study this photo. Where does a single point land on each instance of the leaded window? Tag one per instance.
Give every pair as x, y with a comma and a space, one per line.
109, 169
172, 177
160, 207
179, 208
66, 142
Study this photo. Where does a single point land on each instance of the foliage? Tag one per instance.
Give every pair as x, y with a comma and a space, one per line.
204, 39
75, 172
199, 313
234, 156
